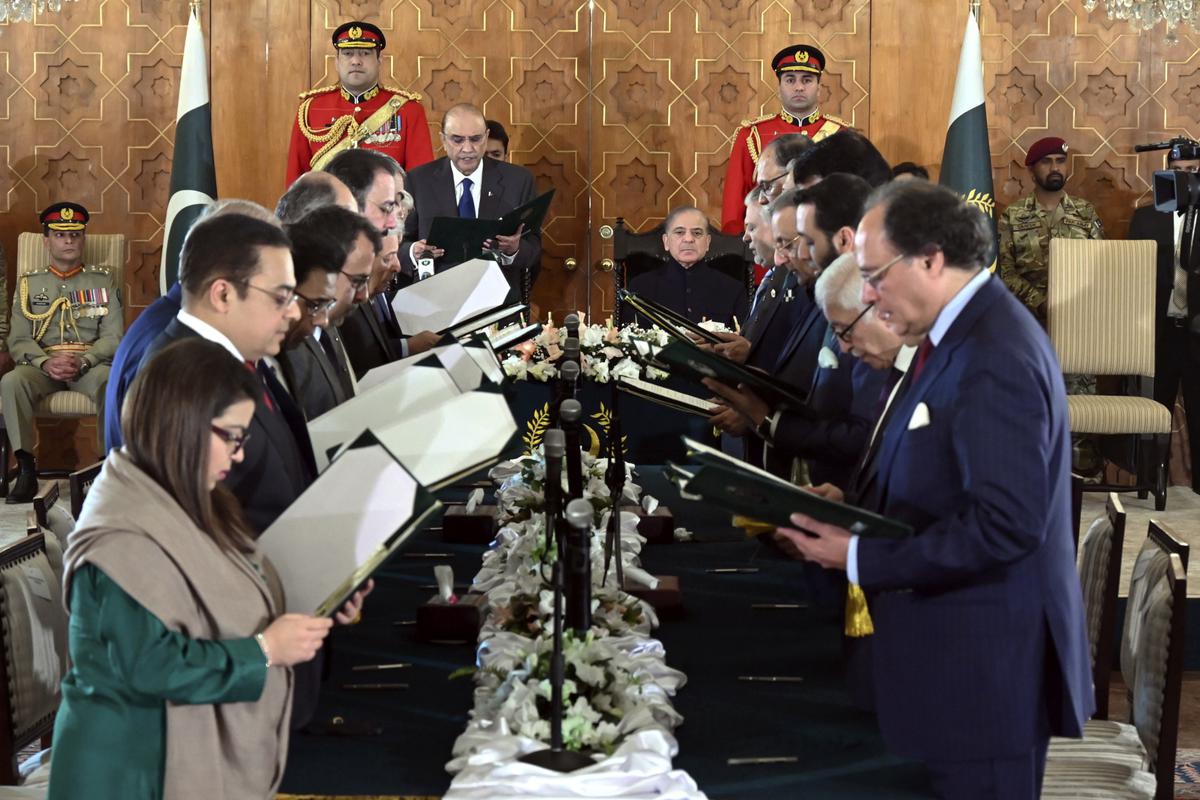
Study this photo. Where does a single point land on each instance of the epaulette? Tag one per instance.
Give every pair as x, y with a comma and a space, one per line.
98, 270
837, 120
407, 95
746, 123
321, 90
32, 272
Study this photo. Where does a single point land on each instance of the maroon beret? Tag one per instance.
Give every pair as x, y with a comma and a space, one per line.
1049, 146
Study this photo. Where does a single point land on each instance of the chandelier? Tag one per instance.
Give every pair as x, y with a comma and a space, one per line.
1145, 14
22, 10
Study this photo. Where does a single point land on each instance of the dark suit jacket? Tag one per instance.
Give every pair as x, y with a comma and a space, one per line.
128, 359
797, 361
773, 318
366, 343
505, 187
278, 463
313, 377
981, 608
1149, 223
834, 433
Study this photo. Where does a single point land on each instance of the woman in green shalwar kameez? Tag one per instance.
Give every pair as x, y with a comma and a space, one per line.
180, 682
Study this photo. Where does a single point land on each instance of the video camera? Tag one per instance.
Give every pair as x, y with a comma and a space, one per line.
1175, 190
1179, 191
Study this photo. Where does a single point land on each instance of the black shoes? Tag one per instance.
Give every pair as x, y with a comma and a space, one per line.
26, 486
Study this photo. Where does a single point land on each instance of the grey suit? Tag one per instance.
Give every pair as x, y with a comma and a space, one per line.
314, 380
504, 187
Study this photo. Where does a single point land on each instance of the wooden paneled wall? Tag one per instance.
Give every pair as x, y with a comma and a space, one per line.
626, 107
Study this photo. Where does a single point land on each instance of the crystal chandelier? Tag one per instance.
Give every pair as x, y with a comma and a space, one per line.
22, 10
1145, 14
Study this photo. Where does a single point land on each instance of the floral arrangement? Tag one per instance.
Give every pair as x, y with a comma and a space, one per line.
603, 351
617, 683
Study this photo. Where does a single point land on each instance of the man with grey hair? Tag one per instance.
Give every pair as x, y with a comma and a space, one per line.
684, 281
981, 606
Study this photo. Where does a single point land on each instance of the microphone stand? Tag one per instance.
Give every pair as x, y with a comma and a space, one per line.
557, 757
579, 566
615, 478
570, 413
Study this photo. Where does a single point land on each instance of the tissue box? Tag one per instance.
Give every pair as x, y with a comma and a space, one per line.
477, 527
439, 621
667, 599
658, 528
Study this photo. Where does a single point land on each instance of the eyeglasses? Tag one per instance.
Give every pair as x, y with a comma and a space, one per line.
790, 245
459, 141
357, 282
238, 440
844, 334
387, 208
282, 298
765, 186
315, 308
875, 277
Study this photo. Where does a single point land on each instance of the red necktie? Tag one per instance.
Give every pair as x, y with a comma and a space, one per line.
922, 356
270, 404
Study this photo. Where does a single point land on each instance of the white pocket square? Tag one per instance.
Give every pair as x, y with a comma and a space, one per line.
920, 417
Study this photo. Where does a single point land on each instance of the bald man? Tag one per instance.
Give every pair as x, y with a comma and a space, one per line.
466, 183
313, 190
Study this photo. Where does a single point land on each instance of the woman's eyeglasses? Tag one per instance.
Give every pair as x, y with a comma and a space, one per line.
238, 440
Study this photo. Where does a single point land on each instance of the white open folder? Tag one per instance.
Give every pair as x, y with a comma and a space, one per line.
444, 442
406, 392
344, 527
451, 298
466, 369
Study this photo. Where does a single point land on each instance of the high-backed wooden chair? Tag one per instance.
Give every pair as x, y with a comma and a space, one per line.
1100, 307
1099, 562
1136, 759
80, 481
637, 252
34, 640
100, 249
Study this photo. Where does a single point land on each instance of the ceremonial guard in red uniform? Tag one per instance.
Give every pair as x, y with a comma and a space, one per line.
357, 111
799, 69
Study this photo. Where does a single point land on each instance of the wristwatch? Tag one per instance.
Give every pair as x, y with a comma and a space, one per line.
85, 365
764, 428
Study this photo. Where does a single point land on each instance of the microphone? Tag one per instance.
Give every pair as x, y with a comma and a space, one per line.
571, 323
569, 372
579, 566
554, 445
569, 414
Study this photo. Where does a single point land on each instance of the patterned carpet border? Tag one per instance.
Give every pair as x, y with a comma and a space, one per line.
1187, 774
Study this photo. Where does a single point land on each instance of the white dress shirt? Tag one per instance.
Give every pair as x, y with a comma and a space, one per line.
210, 333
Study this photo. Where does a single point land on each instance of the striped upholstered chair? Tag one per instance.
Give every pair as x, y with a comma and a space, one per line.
1101, 317
99, 249
1136, 759
1099, 561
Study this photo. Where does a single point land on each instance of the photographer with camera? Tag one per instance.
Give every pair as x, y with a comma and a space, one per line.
1177, 327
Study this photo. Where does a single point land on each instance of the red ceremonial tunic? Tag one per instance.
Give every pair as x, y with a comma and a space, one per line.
752, 137
327, 114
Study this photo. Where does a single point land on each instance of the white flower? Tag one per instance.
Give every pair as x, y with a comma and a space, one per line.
599, 370
626, 368
714, 326
542, 371
516, 368
591, 336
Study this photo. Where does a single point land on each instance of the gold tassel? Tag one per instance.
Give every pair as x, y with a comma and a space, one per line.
858, 616
752, 527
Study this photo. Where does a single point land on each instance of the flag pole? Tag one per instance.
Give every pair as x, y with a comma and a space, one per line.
974, 5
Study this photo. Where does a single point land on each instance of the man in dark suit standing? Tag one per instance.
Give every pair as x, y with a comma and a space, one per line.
981, 606
1176, 323
464, 183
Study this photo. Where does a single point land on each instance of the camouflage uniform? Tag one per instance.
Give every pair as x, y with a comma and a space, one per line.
1025, 233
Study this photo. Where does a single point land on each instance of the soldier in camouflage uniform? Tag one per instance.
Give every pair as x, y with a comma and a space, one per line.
1026, 228
66, 324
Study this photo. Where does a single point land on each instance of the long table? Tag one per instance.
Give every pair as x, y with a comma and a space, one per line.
838, 749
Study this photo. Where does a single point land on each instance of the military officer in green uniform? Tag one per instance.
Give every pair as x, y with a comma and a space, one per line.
66, 325
1028, 225
1026, 228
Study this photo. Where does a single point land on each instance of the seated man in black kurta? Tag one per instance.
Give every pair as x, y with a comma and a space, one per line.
686, 282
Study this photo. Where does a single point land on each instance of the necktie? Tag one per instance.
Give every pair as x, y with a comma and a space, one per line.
922, 355
762, 289
466, 203
894, 376
266, 395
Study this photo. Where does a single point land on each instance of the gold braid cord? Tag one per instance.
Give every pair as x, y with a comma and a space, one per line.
60, 303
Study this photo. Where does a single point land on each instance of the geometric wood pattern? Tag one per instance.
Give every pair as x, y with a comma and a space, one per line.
626, 107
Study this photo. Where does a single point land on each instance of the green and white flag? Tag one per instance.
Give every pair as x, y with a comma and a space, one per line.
967, 157
193, 172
